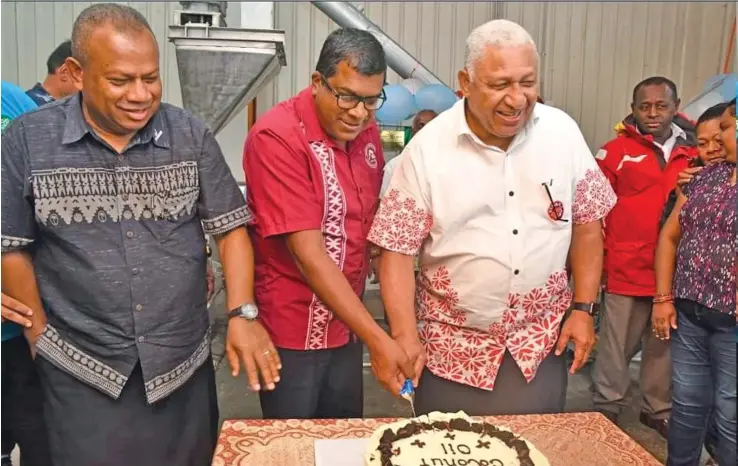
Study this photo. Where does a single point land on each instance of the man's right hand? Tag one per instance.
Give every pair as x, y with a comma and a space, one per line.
686, 176
249, 342
415, 352
390, 364
15, 311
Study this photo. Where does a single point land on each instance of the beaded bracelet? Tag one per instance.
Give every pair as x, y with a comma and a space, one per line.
661, 298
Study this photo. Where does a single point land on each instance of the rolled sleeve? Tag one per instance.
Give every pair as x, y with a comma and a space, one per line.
594, 197
404, 218
18, 219
221, 206
281, 193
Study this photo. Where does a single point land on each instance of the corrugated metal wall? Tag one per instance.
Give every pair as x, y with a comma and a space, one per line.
592, 53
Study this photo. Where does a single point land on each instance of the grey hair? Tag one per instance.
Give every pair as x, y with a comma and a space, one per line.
122, 18
360, 48
495, 33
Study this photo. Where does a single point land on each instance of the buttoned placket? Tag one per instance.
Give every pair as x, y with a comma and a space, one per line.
130, 236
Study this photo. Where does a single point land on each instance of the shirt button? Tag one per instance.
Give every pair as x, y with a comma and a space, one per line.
135, 271
512, 193
129, 234
139, 308
141, 339
515, 232
516, 272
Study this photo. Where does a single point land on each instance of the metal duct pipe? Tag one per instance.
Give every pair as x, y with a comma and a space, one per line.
347, 15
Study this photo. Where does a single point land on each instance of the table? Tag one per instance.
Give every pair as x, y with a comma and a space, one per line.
569, 439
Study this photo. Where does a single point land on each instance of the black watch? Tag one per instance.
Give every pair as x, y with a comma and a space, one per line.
589, 308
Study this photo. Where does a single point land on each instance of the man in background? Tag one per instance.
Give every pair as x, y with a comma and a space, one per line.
22, 407
642, 163
58, 82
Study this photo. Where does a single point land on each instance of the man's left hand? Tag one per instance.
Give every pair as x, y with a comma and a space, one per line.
579, 328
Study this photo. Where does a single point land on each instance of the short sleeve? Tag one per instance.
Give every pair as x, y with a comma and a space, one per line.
221, 205
594, 196
18, 219
404, 218
280, 191
389, 170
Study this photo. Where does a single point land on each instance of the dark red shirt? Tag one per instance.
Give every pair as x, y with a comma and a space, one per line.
298, 179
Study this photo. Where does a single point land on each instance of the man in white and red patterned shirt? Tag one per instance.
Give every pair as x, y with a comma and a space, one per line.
493, 196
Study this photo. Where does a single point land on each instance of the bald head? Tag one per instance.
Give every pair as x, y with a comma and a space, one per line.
421, 119
122, 19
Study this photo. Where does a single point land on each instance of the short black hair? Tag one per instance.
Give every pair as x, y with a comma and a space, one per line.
58, 56
360, 48
731, 106
732, 102
656, 81
713, 113
121, 17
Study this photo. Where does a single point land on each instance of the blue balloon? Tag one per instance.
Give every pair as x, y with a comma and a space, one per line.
399, 105
435, 97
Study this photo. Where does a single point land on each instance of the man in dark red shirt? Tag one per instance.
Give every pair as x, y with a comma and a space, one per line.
313, 167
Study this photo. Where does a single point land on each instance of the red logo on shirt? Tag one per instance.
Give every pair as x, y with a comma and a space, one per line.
370, 154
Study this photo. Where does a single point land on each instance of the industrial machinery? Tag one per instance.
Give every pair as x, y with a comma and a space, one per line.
222, 68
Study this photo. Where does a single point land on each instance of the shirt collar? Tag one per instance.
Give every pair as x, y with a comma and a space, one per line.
76, 126
41, 92
676, 132
308, 116
463, 130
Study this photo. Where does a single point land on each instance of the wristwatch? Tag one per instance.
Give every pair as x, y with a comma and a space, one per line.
245, 311
589, 308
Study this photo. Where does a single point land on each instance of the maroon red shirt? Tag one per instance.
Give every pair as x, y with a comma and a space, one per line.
298, 179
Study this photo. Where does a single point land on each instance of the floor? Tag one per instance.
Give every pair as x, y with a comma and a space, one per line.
238, 402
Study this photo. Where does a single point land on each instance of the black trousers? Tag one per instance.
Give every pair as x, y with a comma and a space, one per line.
88, 428
319, 384
22, 405
512, 394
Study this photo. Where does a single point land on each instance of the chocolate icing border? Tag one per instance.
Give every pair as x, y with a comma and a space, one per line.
508, 438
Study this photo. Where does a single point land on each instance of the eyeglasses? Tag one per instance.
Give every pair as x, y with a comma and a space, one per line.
556, 208
350, 101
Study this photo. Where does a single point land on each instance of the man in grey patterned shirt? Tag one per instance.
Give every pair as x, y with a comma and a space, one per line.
105, 196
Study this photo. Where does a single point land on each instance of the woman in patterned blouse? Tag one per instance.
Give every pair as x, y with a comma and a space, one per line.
695, 306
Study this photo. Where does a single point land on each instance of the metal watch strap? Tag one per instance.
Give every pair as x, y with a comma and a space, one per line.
589, 308
239, 312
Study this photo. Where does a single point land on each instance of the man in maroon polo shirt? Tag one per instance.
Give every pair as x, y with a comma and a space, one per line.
313, 166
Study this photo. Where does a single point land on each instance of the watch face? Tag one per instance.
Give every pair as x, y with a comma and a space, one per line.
249, 311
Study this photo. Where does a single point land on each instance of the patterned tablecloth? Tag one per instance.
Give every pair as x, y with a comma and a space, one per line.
570, 439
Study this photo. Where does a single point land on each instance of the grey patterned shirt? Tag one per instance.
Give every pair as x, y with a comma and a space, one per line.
117, 240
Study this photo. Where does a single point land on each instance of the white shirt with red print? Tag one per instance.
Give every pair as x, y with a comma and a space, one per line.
491, 250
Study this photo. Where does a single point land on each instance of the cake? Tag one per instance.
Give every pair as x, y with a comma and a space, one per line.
445, 439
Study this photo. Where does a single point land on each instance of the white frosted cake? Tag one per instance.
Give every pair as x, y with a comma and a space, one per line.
442, 439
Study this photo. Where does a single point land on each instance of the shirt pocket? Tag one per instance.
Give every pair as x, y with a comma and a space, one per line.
170, 209
551, 206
